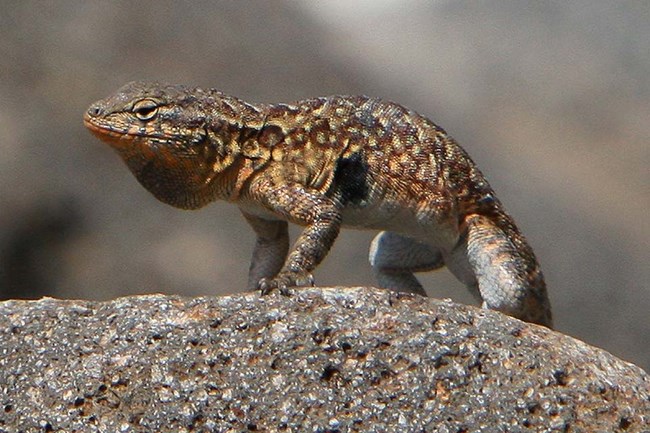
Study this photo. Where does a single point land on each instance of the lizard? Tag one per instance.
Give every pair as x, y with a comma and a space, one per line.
327, 163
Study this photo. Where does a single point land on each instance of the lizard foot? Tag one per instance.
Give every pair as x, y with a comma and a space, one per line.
283, 281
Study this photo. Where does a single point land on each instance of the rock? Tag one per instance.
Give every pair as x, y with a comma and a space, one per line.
321, 360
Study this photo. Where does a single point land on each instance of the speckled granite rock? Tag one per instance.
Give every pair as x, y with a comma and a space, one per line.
322, 360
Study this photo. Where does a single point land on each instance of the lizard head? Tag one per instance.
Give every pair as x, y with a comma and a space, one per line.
169, 138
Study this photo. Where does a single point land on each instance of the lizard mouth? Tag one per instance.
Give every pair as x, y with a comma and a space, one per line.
107, 132
119, 140
98, 128
101, 131
116, 138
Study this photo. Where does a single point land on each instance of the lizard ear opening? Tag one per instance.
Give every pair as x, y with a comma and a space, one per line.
145, 109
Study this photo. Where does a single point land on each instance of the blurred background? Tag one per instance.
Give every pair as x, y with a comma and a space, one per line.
551, 99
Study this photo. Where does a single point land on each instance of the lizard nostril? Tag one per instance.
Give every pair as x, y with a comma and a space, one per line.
95, 111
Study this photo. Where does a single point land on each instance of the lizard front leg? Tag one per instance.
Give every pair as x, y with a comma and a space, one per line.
271, 248
321, 217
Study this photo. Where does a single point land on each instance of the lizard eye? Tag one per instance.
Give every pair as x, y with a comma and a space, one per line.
145, 109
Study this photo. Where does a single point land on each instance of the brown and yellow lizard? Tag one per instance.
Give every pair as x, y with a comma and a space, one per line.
324, 163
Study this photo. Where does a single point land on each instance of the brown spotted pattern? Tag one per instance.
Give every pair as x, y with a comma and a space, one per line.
322, 163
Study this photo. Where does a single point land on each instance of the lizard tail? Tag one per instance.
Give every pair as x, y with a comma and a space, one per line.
508, 274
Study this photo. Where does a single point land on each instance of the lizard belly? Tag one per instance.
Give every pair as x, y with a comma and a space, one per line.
255, 209
395, 217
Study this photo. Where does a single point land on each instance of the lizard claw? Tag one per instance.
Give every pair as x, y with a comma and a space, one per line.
283, 281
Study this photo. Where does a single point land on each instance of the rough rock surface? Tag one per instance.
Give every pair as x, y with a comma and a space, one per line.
322, 360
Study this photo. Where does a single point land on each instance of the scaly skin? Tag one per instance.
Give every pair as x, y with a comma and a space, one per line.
324, 163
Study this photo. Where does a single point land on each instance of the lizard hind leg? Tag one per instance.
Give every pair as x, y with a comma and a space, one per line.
508, 275
394, 259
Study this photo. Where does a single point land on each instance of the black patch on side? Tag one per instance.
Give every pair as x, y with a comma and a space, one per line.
351, 180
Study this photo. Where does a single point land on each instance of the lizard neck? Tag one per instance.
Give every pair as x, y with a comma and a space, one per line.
236, 144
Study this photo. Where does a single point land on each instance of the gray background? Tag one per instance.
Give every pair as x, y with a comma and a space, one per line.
550, 98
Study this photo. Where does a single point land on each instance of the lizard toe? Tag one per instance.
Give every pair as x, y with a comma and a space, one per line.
265, 286
283, 281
